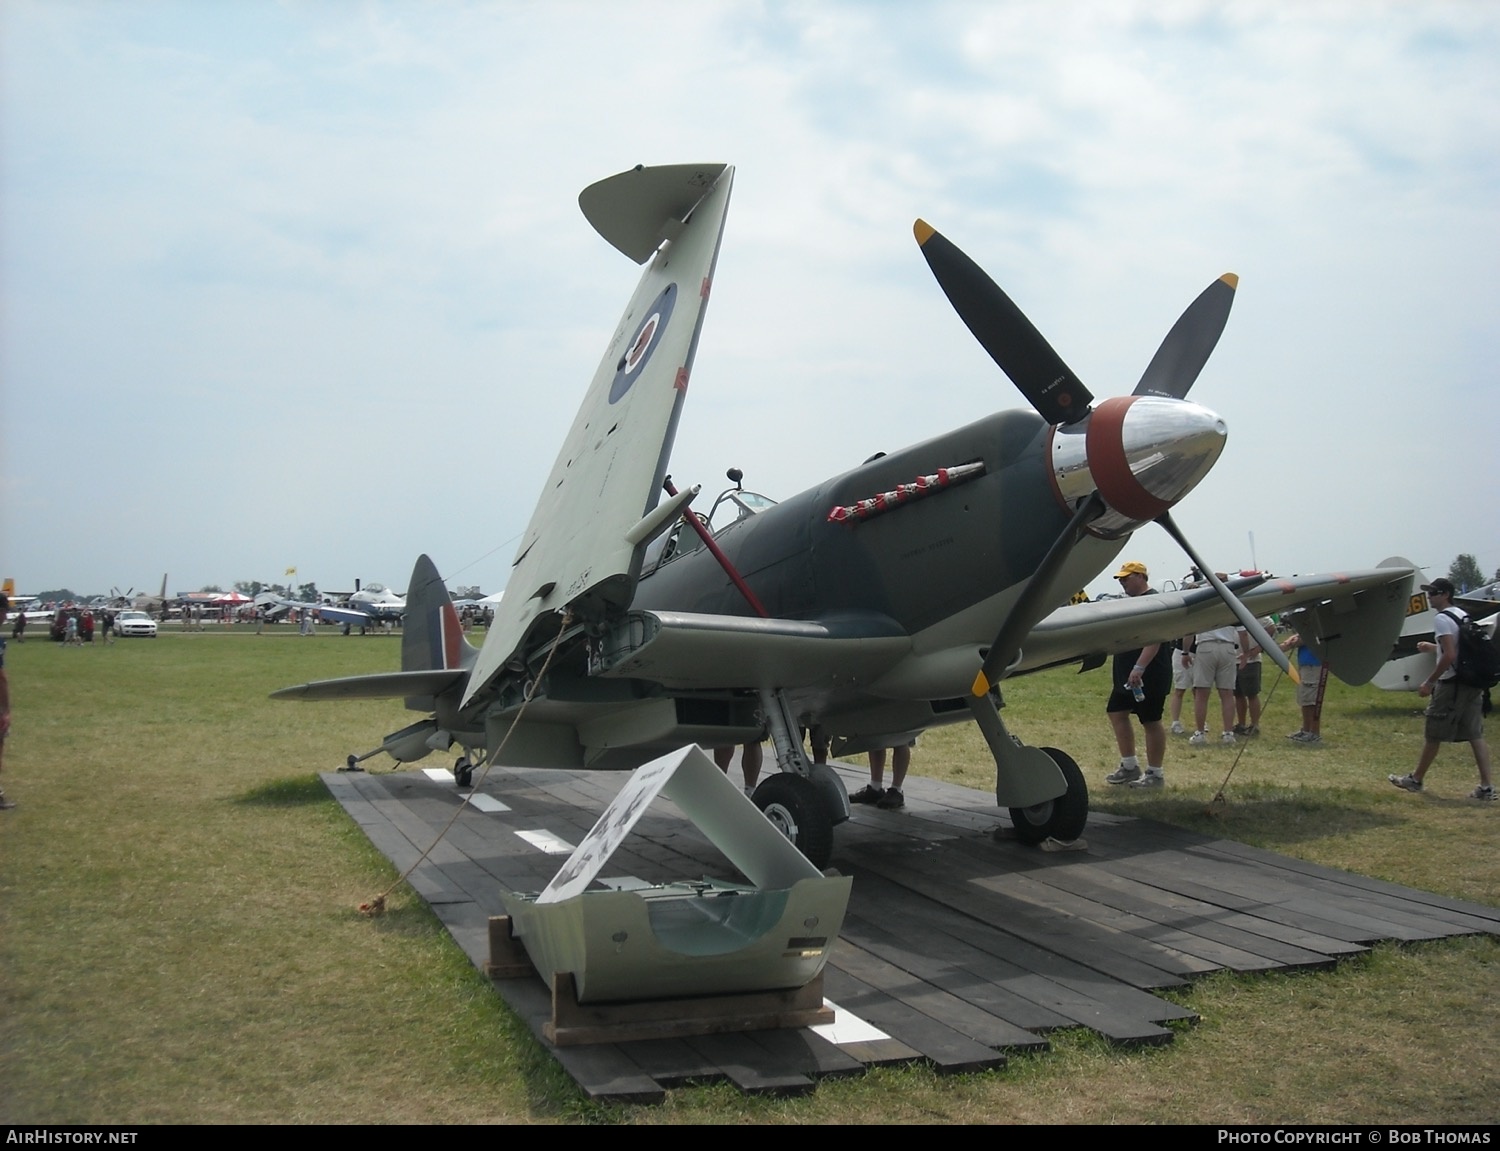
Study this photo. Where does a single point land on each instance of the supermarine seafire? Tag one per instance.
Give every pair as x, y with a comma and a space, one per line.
884, 601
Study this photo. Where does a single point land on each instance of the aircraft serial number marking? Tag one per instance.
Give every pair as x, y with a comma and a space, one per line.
946, 541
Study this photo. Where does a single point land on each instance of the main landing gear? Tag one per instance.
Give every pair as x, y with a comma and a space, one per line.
1044, 789
1061, 818
794, 808
804, 800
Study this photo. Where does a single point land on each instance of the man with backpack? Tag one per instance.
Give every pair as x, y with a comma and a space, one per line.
1455, 714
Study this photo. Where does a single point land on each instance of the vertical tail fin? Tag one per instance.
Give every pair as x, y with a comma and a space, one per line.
431, 636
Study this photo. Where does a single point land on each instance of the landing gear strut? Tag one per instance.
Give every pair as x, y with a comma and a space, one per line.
1045, 791
805, 800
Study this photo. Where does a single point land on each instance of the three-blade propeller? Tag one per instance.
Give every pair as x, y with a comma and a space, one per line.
1060, 397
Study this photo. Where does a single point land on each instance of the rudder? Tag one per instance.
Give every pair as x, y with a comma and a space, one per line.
432, 637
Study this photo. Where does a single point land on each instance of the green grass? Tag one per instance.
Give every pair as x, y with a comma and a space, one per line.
178, 937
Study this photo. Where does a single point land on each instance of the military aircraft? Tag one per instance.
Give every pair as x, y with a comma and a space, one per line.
145, 602
886, 600
373, 604
370, 605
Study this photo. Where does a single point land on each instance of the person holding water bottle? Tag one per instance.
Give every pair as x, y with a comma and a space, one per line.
1140, 682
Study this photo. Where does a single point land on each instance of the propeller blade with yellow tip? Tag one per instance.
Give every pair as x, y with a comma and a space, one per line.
1003, 330
1191, 341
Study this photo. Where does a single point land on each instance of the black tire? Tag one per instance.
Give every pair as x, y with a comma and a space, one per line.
795, 809
1061, 818
463, 771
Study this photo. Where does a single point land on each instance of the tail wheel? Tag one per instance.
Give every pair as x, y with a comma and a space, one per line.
795, 809
1061, 818
463, 771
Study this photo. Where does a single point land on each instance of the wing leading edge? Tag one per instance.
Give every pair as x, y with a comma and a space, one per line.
581, 550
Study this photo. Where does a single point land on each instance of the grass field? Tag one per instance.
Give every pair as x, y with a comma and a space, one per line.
178, 939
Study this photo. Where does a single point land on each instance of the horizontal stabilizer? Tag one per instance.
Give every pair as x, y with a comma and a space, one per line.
390, 685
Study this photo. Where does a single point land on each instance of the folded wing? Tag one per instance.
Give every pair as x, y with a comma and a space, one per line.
582, 551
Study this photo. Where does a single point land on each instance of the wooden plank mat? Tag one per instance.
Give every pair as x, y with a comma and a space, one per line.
960, 943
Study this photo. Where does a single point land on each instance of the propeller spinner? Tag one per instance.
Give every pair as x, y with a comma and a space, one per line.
1116, 466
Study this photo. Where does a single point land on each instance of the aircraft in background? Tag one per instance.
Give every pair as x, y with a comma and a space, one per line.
1480, 601
145, 601
887, 600
1409, 664
373, 604
271, 605
18, 602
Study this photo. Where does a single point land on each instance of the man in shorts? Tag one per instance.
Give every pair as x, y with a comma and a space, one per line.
1247, 683
1214, 658
1311, 679
1455, 714
1182, 682
1147, 670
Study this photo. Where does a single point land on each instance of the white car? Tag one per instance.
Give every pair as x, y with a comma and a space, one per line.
135, 623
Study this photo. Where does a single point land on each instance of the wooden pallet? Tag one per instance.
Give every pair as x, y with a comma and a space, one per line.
959, 945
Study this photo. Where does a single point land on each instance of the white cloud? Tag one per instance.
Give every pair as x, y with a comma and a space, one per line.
314, 275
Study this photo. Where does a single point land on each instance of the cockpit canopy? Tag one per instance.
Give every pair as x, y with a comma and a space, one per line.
733, 506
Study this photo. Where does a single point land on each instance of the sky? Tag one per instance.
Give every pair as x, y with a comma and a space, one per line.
306, 285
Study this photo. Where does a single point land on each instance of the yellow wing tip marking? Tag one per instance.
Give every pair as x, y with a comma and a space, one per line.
1231, 279
980, 686
924, 232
